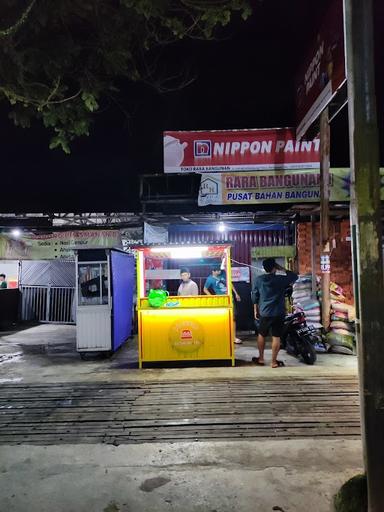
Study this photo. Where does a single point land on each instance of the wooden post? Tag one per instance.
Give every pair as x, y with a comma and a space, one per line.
366, 232
325, 250
314, 262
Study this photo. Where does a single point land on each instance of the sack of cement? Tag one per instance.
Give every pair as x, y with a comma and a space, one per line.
340, 349
343, 340
338, 307
309, 304
312, 319
339, 316
340, 324
299, 294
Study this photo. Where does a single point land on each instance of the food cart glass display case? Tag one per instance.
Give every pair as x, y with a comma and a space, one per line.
105, 288
183, 328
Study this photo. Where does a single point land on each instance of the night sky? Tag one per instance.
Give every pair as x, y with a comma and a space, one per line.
244, 80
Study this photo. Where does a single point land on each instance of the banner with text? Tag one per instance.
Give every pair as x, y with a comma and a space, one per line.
300, 186
323, 70
238, 150
59, 245
241, 274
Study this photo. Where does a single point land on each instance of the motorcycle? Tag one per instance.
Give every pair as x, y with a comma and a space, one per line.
298, 339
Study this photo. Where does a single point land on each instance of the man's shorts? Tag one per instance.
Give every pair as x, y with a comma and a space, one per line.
273, 324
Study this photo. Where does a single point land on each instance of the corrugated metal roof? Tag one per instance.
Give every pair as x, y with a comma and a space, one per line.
242, 241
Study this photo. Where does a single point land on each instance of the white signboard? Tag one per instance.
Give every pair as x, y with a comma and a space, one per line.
240, 274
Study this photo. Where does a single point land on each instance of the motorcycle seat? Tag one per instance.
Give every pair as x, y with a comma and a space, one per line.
292, 316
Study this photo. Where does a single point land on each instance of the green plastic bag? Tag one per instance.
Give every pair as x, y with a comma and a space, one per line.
157, 298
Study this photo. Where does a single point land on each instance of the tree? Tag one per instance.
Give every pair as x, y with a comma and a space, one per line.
60, 60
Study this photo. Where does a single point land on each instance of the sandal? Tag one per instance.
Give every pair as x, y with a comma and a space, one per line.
256, 361
279, 364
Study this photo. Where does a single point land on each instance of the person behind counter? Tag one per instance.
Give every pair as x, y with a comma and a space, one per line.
3, 282
187, 286
269, 304
217, 283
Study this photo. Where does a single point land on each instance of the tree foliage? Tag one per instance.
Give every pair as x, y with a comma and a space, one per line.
60, 59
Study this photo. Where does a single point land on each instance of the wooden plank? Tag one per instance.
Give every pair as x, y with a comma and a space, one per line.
168, 411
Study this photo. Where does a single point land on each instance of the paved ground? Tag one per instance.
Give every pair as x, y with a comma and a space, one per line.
294, 475
46, 353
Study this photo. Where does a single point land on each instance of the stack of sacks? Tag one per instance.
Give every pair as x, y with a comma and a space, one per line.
311, 308
342, 334
302, 301
302, 289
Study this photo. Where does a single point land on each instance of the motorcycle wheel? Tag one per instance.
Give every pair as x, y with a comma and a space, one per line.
290, 345
308, 352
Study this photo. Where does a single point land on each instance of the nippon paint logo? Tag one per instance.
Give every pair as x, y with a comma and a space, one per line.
202, 148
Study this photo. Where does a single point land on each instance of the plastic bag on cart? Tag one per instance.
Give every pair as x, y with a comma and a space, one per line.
157, 298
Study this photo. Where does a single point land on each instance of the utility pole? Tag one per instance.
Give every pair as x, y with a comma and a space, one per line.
366, 233
325, 251
313, 256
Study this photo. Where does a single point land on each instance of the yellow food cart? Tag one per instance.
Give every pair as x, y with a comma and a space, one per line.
183, 328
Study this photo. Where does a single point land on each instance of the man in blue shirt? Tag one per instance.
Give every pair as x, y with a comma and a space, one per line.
3, 282
216, 284
269, 298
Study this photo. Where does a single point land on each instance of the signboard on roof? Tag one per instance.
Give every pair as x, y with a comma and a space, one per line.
59, 245
238, 150
271, 187
322, 71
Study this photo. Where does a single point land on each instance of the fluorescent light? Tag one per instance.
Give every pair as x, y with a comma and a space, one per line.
181, 252
222, 227
16, 233
187, 252
160, 249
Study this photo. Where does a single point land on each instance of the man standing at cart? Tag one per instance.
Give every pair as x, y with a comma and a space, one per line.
269, 303
3, 281
216, 284
187, 286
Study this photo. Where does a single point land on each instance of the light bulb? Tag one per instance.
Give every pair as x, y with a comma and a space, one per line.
16, 233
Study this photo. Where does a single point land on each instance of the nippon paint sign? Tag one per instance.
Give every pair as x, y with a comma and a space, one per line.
238, 150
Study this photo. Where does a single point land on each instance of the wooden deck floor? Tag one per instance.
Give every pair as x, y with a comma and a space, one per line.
121, 413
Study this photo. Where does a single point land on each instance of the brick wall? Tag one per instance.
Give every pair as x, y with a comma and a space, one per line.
341, 258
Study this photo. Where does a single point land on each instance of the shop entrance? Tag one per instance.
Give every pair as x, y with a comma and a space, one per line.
47, 290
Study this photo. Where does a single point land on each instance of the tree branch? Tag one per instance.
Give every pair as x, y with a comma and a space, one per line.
15, 27
64, 100
52, 93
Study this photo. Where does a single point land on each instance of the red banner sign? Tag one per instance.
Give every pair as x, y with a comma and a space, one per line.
238, 150
323, 70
